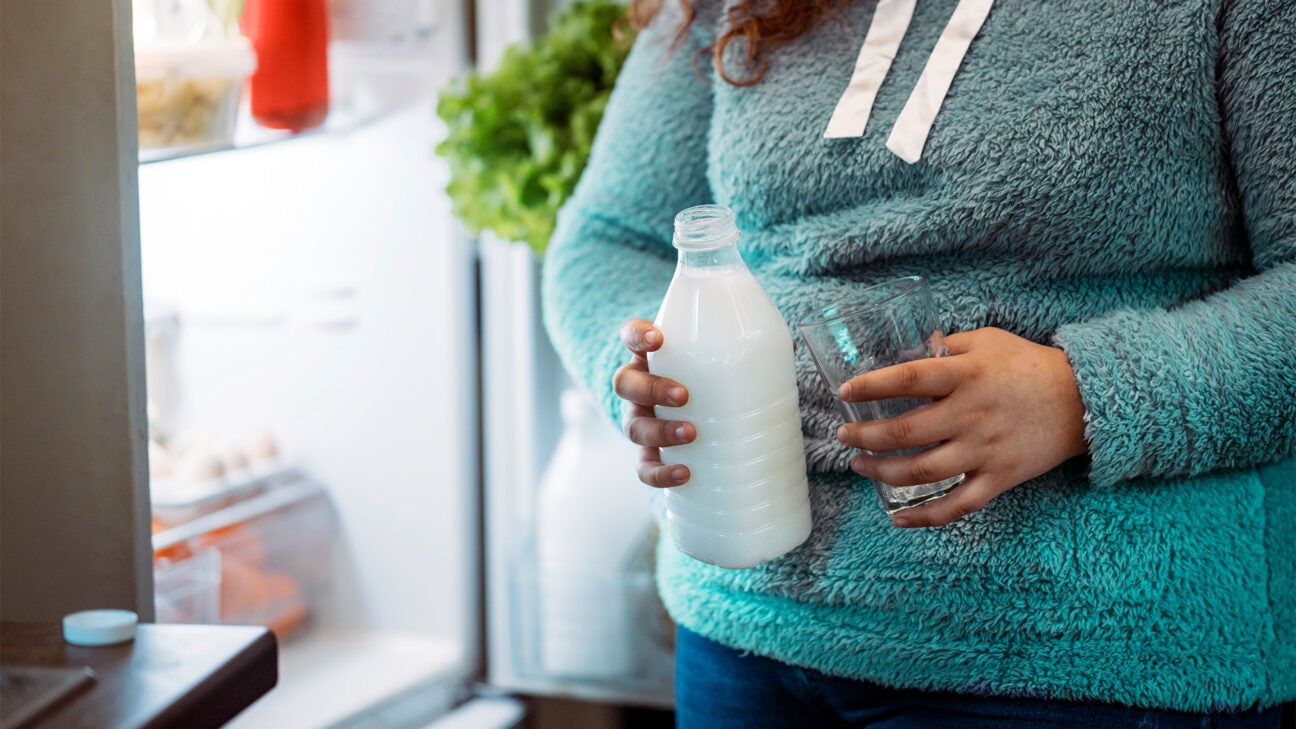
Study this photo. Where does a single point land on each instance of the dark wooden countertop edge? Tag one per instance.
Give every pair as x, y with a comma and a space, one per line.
213, 703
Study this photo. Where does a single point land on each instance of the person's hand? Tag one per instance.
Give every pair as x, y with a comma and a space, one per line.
1004, 411
645, 391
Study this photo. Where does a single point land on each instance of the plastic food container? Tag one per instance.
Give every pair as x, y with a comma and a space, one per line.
188, 94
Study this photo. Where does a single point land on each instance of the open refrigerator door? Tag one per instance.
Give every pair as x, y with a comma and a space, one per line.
570, 532
360, 436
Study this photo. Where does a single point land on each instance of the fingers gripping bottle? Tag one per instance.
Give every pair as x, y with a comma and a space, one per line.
747, 500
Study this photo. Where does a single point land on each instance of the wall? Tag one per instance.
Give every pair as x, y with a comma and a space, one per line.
73, 490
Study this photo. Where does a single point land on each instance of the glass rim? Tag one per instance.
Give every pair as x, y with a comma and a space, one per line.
910, 285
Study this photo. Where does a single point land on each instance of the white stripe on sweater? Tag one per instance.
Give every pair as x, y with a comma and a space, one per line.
909, 135
890, 22
881, 43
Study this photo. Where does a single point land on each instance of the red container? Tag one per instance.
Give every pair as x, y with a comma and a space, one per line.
290, 89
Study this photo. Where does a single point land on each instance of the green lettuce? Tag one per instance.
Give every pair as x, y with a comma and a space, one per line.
519, 137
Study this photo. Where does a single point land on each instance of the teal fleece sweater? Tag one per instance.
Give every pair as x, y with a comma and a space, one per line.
1114, 178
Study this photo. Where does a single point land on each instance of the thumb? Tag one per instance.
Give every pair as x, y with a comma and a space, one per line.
961, 342
971, 495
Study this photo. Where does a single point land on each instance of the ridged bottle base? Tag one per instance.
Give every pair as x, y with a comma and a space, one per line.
745, 548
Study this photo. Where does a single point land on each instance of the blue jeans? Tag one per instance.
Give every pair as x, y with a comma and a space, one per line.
717, 687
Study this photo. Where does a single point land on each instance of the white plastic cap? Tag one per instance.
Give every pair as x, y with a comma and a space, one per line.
99, 627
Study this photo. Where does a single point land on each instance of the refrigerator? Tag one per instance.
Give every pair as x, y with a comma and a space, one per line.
360, 434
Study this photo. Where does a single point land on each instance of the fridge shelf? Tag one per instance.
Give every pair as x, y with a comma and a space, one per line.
248, 135
349, 680
176, 503
239, 501
375, 73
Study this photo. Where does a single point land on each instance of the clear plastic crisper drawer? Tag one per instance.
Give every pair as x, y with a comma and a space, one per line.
187, 590
261, 561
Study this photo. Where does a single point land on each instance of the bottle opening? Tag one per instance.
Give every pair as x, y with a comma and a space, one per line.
703, 227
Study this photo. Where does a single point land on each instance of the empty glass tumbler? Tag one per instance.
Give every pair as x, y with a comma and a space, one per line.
879, 326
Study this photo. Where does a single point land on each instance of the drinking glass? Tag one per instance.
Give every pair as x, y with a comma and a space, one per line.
875, 327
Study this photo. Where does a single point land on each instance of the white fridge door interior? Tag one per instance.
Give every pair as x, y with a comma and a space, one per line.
324, 291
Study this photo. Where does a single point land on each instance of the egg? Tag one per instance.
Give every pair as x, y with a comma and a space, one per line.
260, 447
198, 465
234, 458
192, 440
160, 462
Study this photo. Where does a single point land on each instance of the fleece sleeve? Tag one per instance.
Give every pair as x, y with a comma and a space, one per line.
611, 257
1212, 384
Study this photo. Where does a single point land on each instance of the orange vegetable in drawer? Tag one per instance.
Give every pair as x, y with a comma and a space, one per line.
175, 552
290, 606
243, 589
251, 596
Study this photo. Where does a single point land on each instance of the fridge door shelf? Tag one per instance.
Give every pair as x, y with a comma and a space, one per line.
260, 561
582, 634
550, 603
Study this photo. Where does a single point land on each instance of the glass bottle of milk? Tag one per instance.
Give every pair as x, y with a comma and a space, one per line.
747, 499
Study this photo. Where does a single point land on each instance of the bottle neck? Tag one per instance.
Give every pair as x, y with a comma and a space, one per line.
707, 239
726, 256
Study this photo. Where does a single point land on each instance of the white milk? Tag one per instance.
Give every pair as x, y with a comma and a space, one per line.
593, 526
747, 499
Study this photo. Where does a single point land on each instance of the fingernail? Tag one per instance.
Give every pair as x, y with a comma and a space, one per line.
841, 433
676, 395
679, 473
857, 463
681, 433
651, 337
844, 391
902, 522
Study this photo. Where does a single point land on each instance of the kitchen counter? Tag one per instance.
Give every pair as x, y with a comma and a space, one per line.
191, 676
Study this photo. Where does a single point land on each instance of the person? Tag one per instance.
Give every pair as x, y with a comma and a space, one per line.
1103, 196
